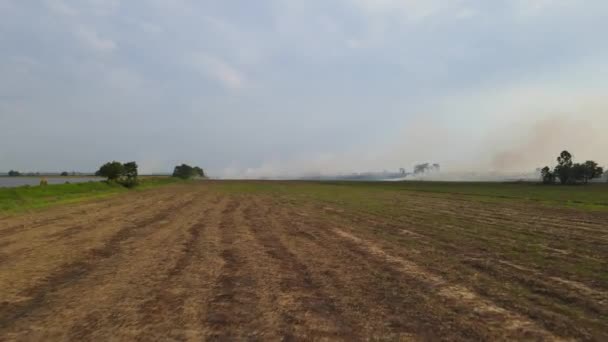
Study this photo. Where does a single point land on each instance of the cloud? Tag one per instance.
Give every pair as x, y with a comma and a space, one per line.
336, 86
532, 7
219, 70
466, 13
415, 11
412, 9
103, 7
92, 40
61, 7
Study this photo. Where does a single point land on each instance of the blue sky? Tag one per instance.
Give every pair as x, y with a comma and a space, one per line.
265, 88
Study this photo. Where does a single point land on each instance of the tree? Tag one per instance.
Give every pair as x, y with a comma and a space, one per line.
186, 171
421, 168
547, 175
591, 170
577, 173
13, 173
130, 172
111, 170
563, 170
64, 174
183, 171
198, 171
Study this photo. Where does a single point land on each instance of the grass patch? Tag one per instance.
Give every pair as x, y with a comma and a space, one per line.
588, 197
13, 200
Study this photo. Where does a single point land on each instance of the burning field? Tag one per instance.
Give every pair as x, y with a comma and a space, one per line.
309, 261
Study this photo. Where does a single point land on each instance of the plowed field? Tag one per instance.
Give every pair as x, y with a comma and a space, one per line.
221, 261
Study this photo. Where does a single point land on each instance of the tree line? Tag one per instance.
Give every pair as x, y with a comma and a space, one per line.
568, 172
127, 174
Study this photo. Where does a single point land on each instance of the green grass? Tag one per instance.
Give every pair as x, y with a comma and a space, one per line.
22, 198
589, 197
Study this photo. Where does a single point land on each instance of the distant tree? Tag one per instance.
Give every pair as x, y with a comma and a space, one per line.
402, 171
65, 174
563, 170
186, 171
421, 168
426, 167
591, 171
547, 176
130, 172
199, 172
183, 171
577, 173
13, 173
111, 170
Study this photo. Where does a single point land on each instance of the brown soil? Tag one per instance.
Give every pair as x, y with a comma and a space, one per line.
193, 263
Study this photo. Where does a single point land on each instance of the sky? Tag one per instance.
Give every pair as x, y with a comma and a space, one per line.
273, 88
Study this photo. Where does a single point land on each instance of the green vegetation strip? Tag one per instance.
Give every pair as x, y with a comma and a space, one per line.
13, 200
592, 197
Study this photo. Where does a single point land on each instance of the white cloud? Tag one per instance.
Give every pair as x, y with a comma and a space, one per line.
410, 9
61, 7
221, 71
466, 13
104, 7
150, 28
536, 7
92, 39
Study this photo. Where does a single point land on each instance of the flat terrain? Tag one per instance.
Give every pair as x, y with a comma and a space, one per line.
310, 261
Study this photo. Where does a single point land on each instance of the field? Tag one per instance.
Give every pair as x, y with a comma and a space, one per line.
19, 199
237, 260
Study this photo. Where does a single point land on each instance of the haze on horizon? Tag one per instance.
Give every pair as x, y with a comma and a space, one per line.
286, 88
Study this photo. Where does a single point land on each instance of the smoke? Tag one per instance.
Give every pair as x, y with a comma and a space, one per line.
539, 144
495, 134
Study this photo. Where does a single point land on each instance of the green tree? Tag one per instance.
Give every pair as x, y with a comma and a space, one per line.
130, 172
577, 173
186, 171
591, 171
64, 174
183, 171
13, 173
111, 170
547, 176
563, 170
198, 171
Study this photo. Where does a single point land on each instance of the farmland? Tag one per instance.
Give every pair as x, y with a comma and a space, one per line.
234, 260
